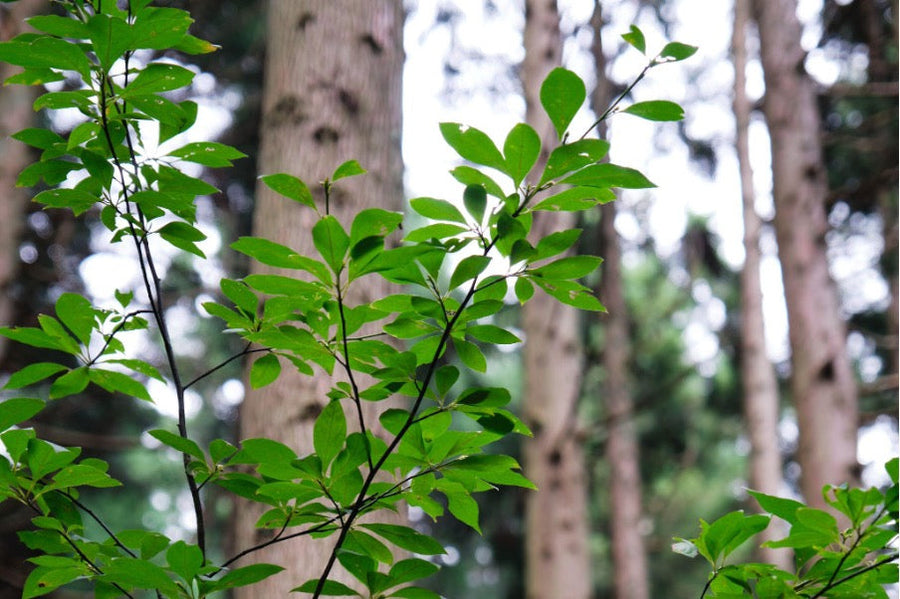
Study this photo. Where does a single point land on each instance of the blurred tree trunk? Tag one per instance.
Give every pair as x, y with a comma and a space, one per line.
822, 384
761, 409
557, 558
15, 114
630, 576
332, 93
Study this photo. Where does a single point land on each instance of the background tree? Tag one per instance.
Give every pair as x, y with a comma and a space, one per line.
822, 382
557, 558
332, 92
759, 384
629, 559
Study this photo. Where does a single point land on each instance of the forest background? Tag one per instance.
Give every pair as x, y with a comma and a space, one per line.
682, 253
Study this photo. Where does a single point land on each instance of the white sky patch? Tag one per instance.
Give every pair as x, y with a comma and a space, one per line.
166, 402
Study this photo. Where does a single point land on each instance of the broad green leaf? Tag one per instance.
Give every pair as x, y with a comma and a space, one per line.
331, 588
571, 267
329, 432
239, 293
608, 175
178, 443
46, 52
76, 200
43, 139
111, 37
470, 355
74, 381
351, 168
472, 176
117, 382
184, 560
290, 187
17, 410
435, 231
194, 45
365, 543
81, 100
373, 222
408, 328
467, 269
570, 293
208, 153
489, 333
159, 28
31, 336
405, 537
183, 236
140, 366
264, 371
83, 475
573, 156
263, 450
635, 37
35, 76
524, 290
521, 150
464, 508
556, 243
132, 572
445, 377
415, 593
160, 77
575, 199
60, 26
162, 109
360, 566
675, 51
473, 145
280, 256
437, 209
77, 313
331, 241
475, 201
408, 570
562, 94
786, 509
33, 373
657, 110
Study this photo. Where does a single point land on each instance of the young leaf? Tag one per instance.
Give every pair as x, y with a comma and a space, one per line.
329, 432
290, 187
208, 153
521, 150
17, 410
183, 236
332, 241
264, 371
475, 201
562, 94
408, 570
76, 200
405, 537
657, 110
473, 145
111, 38
437, 209
158, 77
331, 588
77, 313
33, 373
675, 51
635, 37
609, 175
470, 355
573, 156
467, 269
178, 443
351, 168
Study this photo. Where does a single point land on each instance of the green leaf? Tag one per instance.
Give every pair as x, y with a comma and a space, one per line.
46, 52
573, 156
183, 236
329, 432
524, 290
80, 100
571, 267
77, 313
360, 566
467, 269
331, 588
280, 256
351, 168
159, 28
111, 37
437, 209
43, 139
208, 153
570, 293
405, 537
184, 560
475, 201
17, 410
159, 77
470, 355
609, 175
657, 110
33, 373
76, 200
786, 509
635, 37
74, 381
117, 382
373, 222
408, 570
556, 243
332, 241
562, 94
471, 176
83, 475
290, 187
675, 51
132, 572
415, 593
60, 26
473, 145
434, 231
264, 371
521, 150
178, 443
445, 377
489, 333
575, 199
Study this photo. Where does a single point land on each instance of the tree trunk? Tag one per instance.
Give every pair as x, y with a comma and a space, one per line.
758, 376
332, 93
630, 577
557, 559
822, 384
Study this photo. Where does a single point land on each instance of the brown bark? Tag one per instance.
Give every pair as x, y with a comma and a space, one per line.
822, 383
760, 385
557, 558
332, 93
15, 114
630, 576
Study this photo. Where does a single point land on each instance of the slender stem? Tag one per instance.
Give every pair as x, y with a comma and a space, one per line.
346, 348
616, 102
244, 352
883, 561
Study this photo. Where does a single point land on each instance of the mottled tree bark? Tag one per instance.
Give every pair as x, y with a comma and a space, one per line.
557, 557
630, 575
332, 93
760, 386
822, 383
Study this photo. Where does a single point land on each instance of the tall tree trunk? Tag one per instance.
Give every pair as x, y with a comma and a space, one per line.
758, 376
557, 559
822, 383
15, 114
630, 576
332, 93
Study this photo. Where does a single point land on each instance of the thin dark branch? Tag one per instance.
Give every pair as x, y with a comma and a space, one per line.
245, 352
